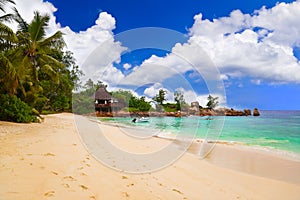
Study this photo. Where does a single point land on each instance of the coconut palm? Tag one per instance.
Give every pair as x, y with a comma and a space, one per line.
7, 38
34, 55
6, 34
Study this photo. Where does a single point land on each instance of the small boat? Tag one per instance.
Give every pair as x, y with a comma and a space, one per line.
141, 119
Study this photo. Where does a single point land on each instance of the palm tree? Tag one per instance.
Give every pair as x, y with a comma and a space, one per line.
35, 54
7, 38
6, 34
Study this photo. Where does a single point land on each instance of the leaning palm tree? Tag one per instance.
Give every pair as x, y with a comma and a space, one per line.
8, 75
35, 54
7, 35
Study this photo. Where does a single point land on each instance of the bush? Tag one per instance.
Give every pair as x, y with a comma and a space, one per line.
15, 110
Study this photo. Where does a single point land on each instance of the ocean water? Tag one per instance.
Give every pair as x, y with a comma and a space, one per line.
273, 129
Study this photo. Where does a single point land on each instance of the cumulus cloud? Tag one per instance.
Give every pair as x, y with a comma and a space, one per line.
127, 66
259, 46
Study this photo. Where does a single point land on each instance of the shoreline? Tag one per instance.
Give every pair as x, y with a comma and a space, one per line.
48, 161
219, 158
281, 153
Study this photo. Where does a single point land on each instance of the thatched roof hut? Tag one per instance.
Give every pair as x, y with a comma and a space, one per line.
104, 101
102, 94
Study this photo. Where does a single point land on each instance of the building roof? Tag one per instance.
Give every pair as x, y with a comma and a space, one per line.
102, 94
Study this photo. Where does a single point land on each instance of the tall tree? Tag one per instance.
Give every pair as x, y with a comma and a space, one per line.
179, 99
160, 97
36, 55
8, 74
212, 102
6, 33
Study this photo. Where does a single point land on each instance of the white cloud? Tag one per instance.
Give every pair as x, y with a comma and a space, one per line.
96, 50
127, 66
106, 21
239, 50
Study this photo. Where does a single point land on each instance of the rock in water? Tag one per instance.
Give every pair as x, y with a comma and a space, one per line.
256, 112
247, 112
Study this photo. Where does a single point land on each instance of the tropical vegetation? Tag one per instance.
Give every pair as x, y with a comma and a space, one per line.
212, 102
35, 70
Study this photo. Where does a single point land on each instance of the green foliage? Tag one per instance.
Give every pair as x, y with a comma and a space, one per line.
170, 107
83, 101
134, 103
212, 102
122, 96
160, 97
15, 110
179, 99
34, 67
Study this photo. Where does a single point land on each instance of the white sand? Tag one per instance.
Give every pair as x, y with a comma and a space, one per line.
48, 161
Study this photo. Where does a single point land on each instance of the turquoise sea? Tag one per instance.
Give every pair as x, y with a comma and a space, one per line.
275, 129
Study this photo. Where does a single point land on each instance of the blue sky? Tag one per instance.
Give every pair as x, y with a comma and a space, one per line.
176, 14
256, 50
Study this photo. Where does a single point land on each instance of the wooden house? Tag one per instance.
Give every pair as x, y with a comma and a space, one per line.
105, 103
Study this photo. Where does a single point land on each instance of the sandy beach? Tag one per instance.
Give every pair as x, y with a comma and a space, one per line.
49, 161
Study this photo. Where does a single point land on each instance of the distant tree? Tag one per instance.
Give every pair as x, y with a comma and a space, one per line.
100, 84
160, 97
89, 84
179, 99
122, 96
139, 104
212, 102
144, 106
58, 97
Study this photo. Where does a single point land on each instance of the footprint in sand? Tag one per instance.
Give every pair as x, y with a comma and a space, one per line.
125, 194
132, 184
66, 185
83, 174
49, 194
175, 190
124, 177
69, 178
53, 172
48, 154
83, 187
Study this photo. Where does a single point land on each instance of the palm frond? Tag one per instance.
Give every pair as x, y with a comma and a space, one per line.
10, 80
22, 24
7, 18
51, 61
7, 34
56, 40
47, 69
3, 2
37, 26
